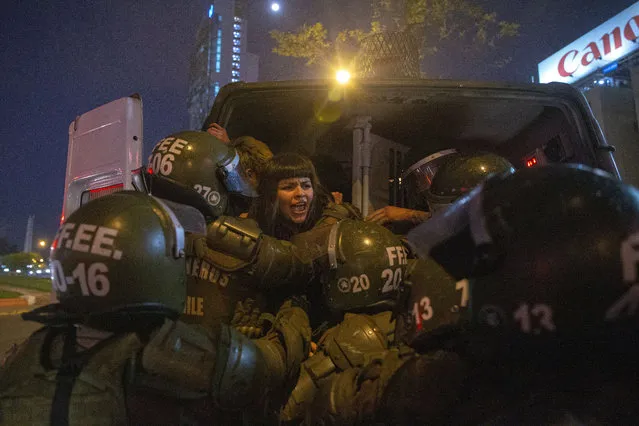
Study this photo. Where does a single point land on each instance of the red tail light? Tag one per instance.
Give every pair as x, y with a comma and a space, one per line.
100, 192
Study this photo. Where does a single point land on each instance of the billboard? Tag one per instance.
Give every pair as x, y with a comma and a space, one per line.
600, 48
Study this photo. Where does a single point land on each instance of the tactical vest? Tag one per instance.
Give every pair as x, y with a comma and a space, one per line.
216, 284
34, 390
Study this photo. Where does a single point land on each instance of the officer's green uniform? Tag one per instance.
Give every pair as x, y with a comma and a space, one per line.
106, 345
363, 268
236, 271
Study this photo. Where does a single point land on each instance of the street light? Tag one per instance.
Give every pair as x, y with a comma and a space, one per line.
275, 7
342, 76
42, 243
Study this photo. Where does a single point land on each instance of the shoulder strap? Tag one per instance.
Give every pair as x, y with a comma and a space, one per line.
72, 364
66, 377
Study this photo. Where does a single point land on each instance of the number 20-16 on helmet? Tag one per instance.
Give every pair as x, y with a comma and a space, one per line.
552, 255
120, 254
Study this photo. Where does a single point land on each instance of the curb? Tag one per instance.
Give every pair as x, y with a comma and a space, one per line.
25, 300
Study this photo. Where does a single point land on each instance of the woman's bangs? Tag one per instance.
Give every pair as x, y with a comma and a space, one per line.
290, 171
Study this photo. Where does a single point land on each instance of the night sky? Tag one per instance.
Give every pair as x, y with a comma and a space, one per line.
63, 58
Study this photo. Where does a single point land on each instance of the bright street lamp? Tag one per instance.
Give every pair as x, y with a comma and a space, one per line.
343, 76
275, 7
42, 243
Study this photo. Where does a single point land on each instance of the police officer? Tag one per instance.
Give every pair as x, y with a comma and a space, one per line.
551, 260
461, 173
451, 176
549, 336
235, 274
118, 270
414, 183
363, 265
435, 182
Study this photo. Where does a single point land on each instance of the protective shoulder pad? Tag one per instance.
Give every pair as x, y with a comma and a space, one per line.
197, 246
233, 236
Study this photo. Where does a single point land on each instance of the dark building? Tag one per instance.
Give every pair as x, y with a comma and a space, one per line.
220, 57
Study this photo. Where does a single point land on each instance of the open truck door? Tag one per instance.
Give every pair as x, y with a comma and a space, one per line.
375, 130
105, 145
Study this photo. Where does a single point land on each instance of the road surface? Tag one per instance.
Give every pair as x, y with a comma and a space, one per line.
13, 329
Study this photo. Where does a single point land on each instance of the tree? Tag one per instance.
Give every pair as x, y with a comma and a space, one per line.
20, 260
461, 23
6, 247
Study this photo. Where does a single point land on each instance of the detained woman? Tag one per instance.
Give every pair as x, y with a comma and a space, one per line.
292, 205
291, 199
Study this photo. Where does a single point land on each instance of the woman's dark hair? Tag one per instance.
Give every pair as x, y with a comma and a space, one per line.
265, 208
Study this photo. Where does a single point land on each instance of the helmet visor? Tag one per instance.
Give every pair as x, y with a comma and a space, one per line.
417, 179
452, 236
176, 229
234, 180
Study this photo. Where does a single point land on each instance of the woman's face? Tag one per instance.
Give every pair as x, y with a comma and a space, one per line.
294, 196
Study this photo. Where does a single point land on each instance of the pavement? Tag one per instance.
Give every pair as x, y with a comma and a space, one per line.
27, 299
13, 329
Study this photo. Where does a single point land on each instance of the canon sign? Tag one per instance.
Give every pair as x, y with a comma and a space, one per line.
607, 43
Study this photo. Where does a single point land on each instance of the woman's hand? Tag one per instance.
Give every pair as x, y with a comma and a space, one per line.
391, 214
219, 132
338, 197
313, 349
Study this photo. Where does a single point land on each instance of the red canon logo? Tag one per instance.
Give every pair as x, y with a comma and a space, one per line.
612, 41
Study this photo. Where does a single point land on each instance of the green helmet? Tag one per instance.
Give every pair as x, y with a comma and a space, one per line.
460, 174
367, 264
203, 162
419, 174
122, 254
552, 257
436, 302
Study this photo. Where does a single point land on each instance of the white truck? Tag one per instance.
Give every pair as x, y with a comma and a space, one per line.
364, 134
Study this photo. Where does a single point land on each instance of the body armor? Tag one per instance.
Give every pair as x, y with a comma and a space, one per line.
234, 267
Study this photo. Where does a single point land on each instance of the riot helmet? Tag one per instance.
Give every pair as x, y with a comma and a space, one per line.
435, 303
551, 255
367, 264
458, 175
120, 255
202, 162
418, 176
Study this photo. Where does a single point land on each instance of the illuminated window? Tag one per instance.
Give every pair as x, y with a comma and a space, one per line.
237, 19
211, 11
236, 50
236, 42
237, 27
236, 58
236, 34
218, 53
234, 80
235, 73
216, 88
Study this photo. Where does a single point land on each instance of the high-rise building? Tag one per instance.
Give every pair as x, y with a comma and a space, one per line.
220, 57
